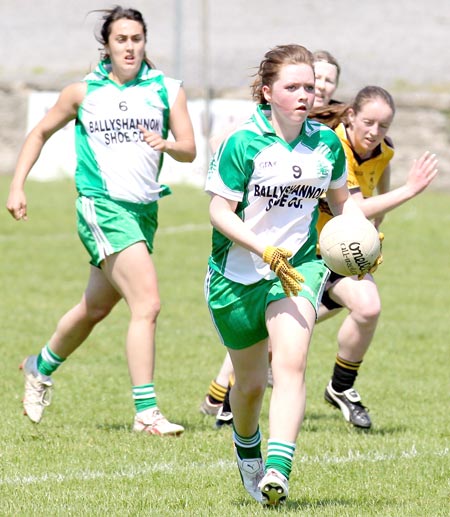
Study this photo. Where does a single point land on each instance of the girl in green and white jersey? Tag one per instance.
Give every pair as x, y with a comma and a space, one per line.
264, 279
123, 112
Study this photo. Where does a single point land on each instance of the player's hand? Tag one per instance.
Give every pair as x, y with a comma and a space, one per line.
378, 261
422, 173
154, 140
289, 277
17, 204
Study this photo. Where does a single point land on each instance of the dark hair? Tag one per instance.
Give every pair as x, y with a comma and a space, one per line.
370, 93
333, 114
118, 13
326, 57
270, 66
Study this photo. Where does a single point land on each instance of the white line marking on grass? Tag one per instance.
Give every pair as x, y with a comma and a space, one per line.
38, 236
184, 228
133, 472
370, 457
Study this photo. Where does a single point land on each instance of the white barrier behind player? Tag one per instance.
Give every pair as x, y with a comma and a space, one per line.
58, 158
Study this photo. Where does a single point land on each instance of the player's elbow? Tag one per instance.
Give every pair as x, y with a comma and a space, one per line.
191, 153
186, 156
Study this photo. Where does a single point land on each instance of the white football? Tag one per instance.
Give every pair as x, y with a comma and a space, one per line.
349, 245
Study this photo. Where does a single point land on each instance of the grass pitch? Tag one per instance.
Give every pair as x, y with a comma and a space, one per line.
83, 460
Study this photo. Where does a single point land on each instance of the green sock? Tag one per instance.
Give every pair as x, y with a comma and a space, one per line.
48, 361
279, 456
144, 397
247, 447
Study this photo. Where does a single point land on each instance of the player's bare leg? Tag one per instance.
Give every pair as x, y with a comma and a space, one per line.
133, 274
290, 322
355, 335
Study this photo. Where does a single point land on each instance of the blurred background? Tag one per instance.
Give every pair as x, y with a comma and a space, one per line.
215, 46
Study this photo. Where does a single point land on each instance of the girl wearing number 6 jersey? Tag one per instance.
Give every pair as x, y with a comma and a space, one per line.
123, 112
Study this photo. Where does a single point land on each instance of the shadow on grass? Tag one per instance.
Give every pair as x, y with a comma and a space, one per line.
315, 422
303, 505
120, 427
296, 505
113, 427
388, 430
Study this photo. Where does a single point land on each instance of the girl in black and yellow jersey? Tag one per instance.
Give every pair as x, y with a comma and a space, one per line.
362, 128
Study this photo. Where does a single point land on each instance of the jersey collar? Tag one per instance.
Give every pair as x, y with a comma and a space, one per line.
262, 121
341, 131
104, 68
262, 115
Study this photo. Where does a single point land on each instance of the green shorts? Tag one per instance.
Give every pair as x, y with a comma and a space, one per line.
106, 226
239, 311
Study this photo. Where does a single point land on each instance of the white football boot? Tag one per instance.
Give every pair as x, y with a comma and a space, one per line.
38, 389
251, 471
274, 488
152, 421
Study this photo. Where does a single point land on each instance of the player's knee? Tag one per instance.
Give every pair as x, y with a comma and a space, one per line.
250, 389
368, 311
148, 310
286, 371
97, 313
154, 308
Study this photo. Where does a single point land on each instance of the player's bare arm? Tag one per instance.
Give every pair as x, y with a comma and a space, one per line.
341, 202
182, 148
57, 117
223, 218
421, 174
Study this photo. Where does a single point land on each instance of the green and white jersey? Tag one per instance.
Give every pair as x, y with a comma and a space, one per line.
112, 158
277, 186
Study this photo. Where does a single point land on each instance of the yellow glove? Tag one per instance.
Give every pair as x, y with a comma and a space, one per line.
289, 277
378, 261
